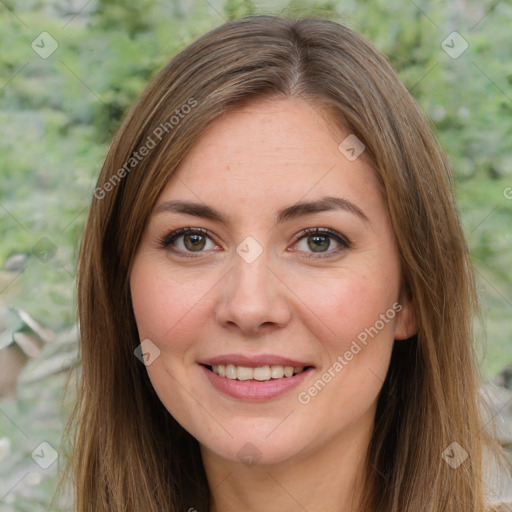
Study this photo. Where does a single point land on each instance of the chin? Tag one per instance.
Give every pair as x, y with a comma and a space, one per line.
254, 452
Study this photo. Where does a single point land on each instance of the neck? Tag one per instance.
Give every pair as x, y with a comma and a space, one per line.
327, 479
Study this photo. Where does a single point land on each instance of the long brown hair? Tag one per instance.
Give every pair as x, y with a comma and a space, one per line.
129, 453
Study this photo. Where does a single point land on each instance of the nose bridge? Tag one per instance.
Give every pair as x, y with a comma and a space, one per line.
250, 282
251, 276
252, 295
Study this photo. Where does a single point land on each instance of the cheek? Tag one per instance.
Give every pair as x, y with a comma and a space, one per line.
161, 304
354, 319
345, 307
149, 303
164, 309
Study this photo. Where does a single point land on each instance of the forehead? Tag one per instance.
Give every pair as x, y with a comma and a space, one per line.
269, 152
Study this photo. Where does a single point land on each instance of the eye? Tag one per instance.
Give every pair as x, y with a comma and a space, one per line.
187, 240
319, 240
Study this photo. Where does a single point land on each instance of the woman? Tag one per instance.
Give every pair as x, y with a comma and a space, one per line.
275, 295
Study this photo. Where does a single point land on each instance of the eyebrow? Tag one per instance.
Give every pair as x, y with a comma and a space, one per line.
325, 204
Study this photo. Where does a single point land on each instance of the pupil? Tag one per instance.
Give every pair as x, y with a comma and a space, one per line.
319, 242
195, 240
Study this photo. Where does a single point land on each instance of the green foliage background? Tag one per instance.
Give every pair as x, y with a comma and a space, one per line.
58, 115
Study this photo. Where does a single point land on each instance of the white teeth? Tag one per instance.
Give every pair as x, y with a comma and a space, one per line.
277, 372
231, 372
244, 373
261, 373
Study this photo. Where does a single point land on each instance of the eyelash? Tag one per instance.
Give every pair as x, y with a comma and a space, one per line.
168, 240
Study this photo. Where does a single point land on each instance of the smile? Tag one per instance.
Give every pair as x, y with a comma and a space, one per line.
260, 373
257, 383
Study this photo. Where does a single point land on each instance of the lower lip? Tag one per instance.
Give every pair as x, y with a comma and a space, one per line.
253, 389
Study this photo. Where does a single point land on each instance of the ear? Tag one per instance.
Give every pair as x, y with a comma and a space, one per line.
406, 324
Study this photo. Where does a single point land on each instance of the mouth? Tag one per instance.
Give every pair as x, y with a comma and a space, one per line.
258, 373
256, 377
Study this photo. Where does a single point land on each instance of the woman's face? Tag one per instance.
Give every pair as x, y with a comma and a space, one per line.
249, 293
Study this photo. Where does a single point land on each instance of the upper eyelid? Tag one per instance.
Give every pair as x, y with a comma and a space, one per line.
177, 233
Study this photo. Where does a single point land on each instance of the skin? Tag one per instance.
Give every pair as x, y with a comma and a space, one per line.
251, 163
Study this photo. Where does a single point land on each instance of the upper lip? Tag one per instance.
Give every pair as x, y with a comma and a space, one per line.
254, 361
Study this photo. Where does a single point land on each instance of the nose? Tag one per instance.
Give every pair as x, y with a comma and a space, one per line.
254, 299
